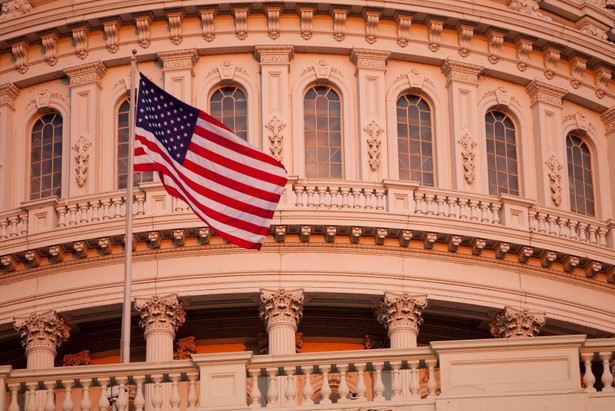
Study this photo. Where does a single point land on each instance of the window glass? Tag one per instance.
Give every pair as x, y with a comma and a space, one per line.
229, 106
501, 154
46, 157
122, 150
580, 175
414, 140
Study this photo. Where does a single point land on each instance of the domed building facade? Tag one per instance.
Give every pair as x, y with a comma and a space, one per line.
445, 241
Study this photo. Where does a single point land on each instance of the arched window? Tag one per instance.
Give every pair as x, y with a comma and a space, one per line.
414, 140
122, 150
323, 133
229, 105
502, 164
580, 175
46, 157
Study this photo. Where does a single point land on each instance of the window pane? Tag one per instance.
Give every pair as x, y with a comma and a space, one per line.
580, 175
501, 153
414, 139
46, 157
122, 150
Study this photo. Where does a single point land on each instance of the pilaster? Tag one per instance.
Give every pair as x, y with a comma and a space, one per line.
8, 95
161, 317
41, 335
85, 126
550, 142
281, 310
370, 70
462, 84
516, 323
177, 66
401, 314
608, 118
274, 61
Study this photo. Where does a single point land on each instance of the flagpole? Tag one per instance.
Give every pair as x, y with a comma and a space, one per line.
126, 306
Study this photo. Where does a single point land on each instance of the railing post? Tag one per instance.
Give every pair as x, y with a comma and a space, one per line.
588, 378
86, 403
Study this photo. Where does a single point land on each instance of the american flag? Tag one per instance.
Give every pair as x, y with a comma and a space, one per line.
231, 185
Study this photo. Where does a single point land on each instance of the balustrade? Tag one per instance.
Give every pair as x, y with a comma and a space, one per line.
599, 367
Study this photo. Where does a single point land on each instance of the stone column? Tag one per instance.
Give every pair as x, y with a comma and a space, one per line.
515, 323
41, 335
8, 95
161, 317
274, 61
370, 70
400, 313
464, 123
178, 73
281, 310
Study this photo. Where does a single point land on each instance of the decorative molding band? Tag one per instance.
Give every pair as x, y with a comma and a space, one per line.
274, 53
86, 73
8, 95
459, 71
540, 91
178, 59
369, 59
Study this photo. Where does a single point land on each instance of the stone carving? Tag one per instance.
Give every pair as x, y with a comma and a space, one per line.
381, 235
81, 147
501, 250
515, 323
555, 179
32, 259
330, 233
208, 23
8, 94
464, 36
403, 29
478, 244
274, 54
275, 127
50, 44
524, 48
20, 53
145, 30
178, 59
273, 21
204, 235
495, 40
279, 233
8, 263
608, 118
306, 18
45, 330
175, 25
525, 253
304, 234
593, 31
454, 242
434, 28
369, 59
401, 310
15, 8
548, 258
105, 245
371, 25
592, 269
374, 342
373, 131
241, 22
551, 56
86, 73
80, 37
339, 23
570, 263
577, 67
184, 348
528, 7
468, 157
281, 306
161, 313
460, 71
80, 358
112, 33
501, 95
404, 237
545, 93
602, 76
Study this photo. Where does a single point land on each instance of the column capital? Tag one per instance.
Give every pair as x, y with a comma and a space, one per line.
461, 71
608, 118
160, 313
401, 310
540, 91
84, 74
281, 306
8, 95
514, 323
45, 331
274, 53
369, 58
178, 59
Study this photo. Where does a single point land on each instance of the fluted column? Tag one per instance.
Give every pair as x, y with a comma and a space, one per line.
515, 323
41, 335
401, 314
161, 317
281, 310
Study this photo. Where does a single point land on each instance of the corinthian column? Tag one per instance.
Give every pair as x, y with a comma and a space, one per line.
41, 335
401, 316
514, 323
161, 317
281, 310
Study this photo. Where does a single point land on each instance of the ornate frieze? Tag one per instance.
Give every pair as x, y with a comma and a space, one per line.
80, 38
401, 310
468, 154
144, 28
459, 71
369, 58
81, 147
8, 94
434, 30
495, 39
555, 179
86, 73
112, 34
208, 17
515, 323
403, 29
524, 49
276, 138
281, 306
545, 93
551, 56
20, 50
45, 330
50, 44
273, 21
184, 348
274, 53
241, 21
178, 59
608, 118
464, 37
175, 19
373, 131
306, 18
372, 18
577, 67
593, 30
160, 313
528, 7
15, 8
602, 76
339, 23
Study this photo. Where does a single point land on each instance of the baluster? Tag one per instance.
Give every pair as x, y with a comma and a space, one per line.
3, 229
607, 375
175, 399
50, 404
272, 387
86, 403
291, 386
103, 402
356, 196
552, 226
473, 210
415, 385
139, 401
485, 214
440, 201
299, 190
572, 230
61, 211
72, 214
157, 397
192, 399
83, 211
121, 403
452, 207
13, 222
117, 207
602, 237
420, 204
429, 204
592, 234
325, 389
68, 405
95, 207
308, 390
31, 397
310, 196
532, 220
369, 199
335, 198
396, 386
588, 378
495, 212
361, 387
255, 392
542, 218
583, 232
378, 385
322, 197
564, 232
432, 384
343, 390
379, 199
106, 206
24, 224
140, 197
14, 390
463, 209
345, 192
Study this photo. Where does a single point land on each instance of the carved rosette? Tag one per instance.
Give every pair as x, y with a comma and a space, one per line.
281, 307
45, 331
555, 179
81, 147
373, 131
468, 155
161, 314
275, 127
515, 323
401, 311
